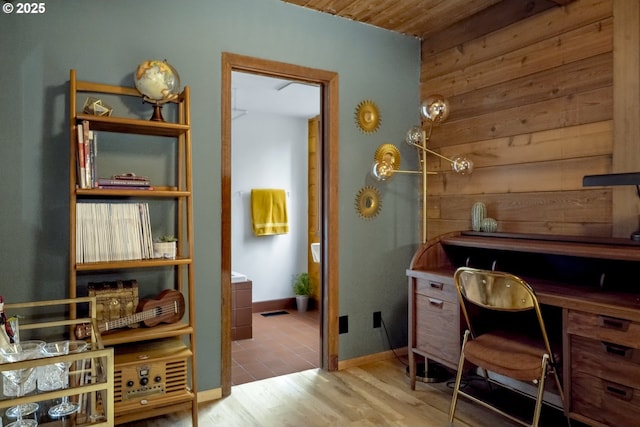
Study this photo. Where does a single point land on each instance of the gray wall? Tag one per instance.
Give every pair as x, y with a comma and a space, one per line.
104, 42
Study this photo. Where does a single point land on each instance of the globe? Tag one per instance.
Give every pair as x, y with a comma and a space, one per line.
159, 82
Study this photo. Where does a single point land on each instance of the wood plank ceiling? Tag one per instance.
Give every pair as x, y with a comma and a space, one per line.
418, 18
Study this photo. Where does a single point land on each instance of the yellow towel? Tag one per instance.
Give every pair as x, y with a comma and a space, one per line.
269, 211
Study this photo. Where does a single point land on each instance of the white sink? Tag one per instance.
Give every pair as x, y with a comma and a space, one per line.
238, 277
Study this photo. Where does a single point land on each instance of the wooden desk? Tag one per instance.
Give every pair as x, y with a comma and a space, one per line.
592, 285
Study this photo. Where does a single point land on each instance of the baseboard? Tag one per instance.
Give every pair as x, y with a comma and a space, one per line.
279, 304
274, 305
370, 358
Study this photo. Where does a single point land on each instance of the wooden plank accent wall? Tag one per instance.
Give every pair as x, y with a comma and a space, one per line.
626, 92
532, 106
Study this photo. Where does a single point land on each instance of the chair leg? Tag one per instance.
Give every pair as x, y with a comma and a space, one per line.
454, 398
538, 407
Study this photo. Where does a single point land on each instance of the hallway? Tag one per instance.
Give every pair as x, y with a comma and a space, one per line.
281, 344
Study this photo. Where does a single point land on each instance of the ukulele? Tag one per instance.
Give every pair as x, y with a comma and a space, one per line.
167, 307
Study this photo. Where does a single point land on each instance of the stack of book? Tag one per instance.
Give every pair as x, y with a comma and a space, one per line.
128, 181
113, 232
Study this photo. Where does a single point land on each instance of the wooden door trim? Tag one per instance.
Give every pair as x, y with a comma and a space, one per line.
329, 190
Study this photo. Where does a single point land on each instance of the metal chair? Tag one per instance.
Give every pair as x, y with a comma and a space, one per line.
498, 343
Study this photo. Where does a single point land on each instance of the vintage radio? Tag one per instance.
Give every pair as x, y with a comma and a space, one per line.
114, 300
150, 374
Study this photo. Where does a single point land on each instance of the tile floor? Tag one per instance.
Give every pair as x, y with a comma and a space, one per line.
281, 344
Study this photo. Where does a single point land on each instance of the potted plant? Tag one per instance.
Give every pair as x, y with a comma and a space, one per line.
302, 290
165, 247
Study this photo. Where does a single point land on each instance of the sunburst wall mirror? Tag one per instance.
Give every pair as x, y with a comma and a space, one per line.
368, 202
368, 116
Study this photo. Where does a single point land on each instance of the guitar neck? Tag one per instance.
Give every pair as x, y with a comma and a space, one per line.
137, 317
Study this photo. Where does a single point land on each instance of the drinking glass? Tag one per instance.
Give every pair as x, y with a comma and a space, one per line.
60, 348
10, 389
17, 353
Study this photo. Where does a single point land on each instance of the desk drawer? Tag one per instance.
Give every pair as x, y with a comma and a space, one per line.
604, 328
609, 403
437, 328
608, 361
440, 287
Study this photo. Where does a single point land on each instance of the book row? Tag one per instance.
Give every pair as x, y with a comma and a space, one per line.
113, 232
86, 155
86, 165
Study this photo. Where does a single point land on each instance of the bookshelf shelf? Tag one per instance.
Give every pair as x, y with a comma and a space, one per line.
121, 265
145, 334
93, 225
159, 192
134, 126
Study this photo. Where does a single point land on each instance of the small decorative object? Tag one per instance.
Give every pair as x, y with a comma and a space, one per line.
165, 247
489, 225
159, 83
478, 213
367, 116
96, 107
302, 289
368, 202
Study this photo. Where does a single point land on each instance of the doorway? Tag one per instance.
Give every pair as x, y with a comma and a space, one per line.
328, 82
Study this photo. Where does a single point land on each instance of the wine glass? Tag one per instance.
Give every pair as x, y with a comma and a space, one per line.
17, 353
10, 389
60, 348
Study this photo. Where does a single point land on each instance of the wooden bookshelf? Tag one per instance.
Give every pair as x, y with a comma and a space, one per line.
143, 399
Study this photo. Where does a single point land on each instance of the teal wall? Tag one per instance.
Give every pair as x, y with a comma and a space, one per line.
105, 40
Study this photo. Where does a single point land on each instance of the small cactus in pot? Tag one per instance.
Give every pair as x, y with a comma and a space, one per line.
478, 213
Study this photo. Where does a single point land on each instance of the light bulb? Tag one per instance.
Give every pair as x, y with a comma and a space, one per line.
382, 170
462, 165
435, 109
414, 136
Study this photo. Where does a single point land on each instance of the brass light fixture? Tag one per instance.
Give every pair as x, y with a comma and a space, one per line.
433, 110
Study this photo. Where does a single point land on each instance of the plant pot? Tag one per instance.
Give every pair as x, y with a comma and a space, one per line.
302, 302
166, 250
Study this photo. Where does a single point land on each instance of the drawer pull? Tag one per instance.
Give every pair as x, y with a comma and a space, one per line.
618, 391
436, 285
436, 302
613, 323
617, 350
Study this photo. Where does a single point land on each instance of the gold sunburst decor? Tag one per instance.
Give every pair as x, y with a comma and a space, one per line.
388, 153
368, 202
367, 116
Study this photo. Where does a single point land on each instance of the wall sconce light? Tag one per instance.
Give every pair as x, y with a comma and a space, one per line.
433, 110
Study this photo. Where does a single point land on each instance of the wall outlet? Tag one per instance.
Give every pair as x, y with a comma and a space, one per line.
377, 319
343, 324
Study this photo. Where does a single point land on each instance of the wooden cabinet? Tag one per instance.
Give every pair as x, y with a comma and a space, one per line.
434, 320
605, 367
149, 146
242, 310
589, 300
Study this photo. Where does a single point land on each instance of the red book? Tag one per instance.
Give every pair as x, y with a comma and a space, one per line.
82, 177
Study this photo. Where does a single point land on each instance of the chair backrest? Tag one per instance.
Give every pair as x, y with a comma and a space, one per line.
497, 291
494, 290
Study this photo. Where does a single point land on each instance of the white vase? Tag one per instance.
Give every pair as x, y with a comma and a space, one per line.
302, 302
166, 250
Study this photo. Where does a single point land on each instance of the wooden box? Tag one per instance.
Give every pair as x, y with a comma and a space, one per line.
114, 300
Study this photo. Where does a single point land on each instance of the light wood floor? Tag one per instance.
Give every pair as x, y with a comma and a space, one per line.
376, 394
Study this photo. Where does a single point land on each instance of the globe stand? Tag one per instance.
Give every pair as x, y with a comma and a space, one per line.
157, 113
